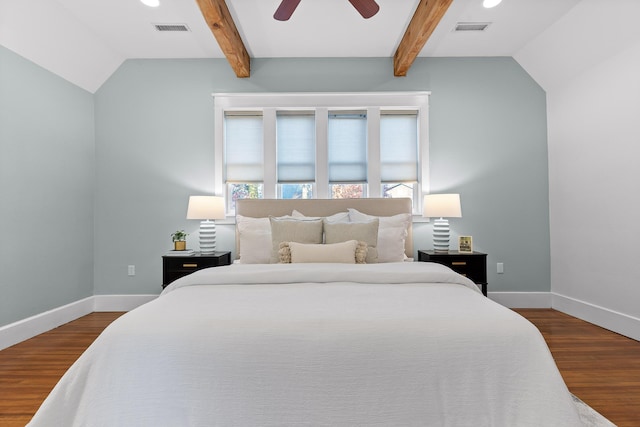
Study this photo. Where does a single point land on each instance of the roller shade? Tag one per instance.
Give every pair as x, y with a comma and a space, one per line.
296, 147
243, 147
399, 147
347, 147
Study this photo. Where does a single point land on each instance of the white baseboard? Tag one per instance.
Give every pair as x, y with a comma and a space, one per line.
28, 328
120, 302
620, 323
522, 299
22, 330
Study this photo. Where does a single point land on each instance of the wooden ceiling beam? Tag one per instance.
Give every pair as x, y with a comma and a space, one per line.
425, 20
216, 14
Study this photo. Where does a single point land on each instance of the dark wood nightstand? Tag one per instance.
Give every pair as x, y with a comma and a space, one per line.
174, 267
473, 266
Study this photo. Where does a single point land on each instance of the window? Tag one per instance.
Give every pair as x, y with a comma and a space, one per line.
347, 149
398, 153
243, 156
296, 154
321, 145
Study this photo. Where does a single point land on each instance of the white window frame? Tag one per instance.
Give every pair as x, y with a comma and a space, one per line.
322, 103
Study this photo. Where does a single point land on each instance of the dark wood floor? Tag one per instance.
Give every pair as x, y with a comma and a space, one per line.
600, 367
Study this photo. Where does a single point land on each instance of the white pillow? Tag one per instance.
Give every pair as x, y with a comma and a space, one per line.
362, 231
254, 236
343, 252
392, 234
337, 217
293, 230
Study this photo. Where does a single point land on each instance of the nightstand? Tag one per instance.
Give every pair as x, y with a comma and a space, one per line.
473, 265
174, 267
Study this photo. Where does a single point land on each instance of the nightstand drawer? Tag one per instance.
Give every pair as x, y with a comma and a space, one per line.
473, 265
175, 267
473, 268
184, 263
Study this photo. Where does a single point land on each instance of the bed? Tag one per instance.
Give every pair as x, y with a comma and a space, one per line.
316, 344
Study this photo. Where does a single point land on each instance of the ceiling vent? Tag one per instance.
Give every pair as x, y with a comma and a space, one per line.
171, 27
471, 26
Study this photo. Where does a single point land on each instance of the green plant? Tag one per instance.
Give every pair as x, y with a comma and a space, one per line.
179, 236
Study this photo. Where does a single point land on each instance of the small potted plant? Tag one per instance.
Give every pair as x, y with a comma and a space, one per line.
179, 240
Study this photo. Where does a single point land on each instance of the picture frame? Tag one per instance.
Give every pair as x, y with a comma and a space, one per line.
465, 244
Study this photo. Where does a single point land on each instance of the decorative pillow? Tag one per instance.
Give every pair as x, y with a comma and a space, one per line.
254, 235
337, 217
349, 252
361, 253
392, 233
364, 231
293, 230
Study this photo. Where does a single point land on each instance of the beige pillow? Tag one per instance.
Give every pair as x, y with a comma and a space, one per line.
392, 234
349, 252
361, 231
292, 230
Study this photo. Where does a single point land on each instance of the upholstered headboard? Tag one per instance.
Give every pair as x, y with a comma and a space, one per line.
258, 208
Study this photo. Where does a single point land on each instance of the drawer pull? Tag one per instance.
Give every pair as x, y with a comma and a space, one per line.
459, 263
189, 265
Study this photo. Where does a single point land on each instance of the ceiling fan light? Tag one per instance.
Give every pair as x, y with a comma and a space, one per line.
151, 3
490, 3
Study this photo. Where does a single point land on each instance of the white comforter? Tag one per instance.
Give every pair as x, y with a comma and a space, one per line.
405, 344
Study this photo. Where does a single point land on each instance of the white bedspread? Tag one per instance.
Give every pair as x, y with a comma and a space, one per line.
406, 344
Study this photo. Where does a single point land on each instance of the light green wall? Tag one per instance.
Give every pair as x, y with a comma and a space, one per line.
154, 147
46, 190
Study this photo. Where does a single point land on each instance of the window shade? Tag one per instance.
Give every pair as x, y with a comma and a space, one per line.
347, 147
243, 148
296, 147
399, 147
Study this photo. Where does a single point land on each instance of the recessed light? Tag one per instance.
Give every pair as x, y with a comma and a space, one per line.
491, 3
151, 3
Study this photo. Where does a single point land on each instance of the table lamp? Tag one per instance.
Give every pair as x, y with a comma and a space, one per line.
440, 207
207, 209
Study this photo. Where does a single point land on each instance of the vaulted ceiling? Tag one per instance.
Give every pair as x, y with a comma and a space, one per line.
84, 41
424, 21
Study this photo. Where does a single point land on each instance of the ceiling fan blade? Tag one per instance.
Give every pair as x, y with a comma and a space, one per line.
367, 8
286, 9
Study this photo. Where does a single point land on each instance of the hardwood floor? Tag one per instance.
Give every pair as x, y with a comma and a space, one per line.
600, 367
29, 370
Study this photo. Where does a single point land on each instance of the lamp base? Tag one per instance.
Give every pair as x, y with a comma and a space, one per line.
441, 235
207, 237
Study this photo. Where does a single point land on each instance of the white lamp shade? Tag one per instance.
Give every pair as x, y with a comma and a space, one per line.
206, 207
442, 206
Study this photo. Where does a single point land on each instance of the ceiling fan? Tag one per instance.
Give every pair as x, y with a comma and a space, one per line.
366, 8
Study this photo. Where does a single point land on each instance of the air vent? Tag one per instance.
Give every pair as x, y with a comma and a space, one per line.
171, 27
471, 26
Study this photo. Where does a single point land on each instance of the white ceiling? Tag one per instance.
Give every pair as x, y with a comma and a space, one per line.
318, 28
84, 41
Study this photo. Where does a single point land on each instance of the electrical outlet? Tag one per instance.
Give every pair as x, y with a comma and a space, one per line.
131, 270
500, 268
